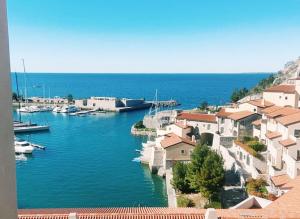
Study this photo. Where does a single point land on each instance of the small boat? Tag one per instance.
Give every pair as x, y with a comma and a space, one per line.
31, 128
69, 109
23, 147
56, 109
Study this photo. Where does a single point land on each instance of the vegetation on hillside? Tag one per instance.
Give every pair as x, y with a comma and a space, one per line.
205, 174
184, 202
238, 94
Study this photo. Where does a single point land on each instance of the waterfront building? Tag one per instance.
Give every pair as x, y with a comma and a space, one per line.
112, 104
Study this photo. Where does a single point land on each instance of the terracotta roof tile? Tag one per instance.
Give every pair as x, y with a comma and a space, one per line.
271, 109
283, 112
201, 117
240, 115
289, 119
223, 114
272, 135
261, 103
280, 180
287, 142
257, 122
173, 139
284, 88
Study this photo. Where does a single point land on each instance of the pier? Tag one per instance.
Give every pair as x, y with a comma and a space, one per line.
164, 103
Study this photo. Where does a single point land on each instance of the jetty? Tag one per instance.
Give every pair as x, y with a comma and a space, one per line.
164, 103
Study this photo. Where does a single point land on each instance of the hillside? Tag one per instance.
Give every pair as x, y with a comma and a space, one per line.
290, 70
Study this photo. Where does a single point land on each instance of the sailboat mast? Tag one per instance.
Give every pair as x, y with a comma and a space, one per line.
18, 96
25, 81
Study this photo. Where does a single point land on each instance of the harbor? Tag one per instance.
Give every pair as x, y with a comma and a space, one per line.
99, 144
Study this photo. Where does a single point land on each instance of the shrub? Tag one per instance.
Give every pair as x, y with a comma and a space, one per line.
184, 202
139, 125
257, 187
256, 145
180, 181
214, 204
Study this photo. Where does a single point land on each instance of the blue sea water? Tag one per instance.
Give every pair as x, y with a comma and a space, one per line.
89, 160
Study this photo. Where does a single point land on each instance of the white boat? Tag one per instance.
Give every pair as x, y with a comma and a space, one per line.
24, 109
30, 128
56, 109
46, 109
69, 109
23, 147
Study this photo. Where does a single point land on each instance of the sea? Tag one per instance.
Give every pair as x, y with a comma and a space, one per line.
91, 161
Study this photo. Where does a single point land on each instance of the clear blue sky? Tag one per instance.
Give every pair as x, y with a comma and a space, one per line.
153, 35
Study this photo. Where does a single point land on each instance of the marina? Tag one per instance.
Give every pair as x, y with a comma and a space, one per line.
109, 151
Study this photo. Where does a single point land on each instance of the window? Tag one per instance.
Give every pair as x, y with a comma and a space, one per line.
298, 155
94, 104
286, 98
222, 129
208, 126
182, 151
248, 160
222, 120
235, 123
297, 133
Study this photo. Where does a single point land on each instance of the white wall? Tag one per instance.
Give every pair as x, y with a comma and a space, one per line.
8, 207
281, 99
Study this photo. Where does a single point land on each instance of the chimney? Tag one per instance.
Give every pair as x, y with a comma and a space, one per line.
211, 214
184, 122
193, 138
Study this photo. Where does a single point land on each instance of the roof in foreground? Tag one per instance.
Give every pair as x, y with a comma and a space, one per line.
201, 117
283, 88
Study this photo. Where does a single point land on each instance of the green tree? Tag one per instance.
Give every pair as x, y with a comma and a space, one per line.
206, 173
139, 125
211, 177
70, 98
203, 105
197, 159
238, 94
180, 181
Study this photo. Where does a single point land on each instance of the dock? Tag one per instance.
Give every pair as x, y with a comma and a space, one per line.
164, 103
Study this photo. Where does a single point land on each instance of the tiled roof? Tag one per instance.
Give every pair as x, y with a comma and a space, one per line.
201, 117
289, 202
271, 109
240, 115
272, 135
114, 213
257, 122
223, 114
173, 139
289, 119
284, 88
261, 103
280, 180
287, 142
283, 112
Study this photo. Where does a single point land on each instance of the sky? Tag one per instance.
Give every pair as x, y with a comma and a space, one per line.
153, 36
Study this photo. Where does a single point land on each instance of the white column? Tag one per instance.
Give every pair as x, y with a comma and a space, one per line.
8, 207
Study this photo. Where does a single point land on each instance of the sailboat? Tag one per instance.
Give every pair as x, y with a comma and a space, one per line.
19, 126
